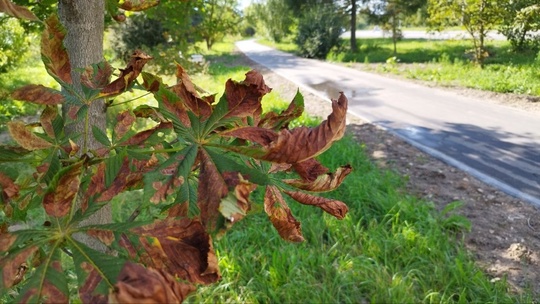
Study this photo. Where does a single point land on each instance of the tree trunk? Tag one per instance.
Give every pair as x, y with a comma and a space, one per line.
84, 22
353, 26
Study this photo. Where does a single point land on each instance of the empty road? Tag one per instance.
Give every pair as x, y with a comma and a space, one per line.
499, 145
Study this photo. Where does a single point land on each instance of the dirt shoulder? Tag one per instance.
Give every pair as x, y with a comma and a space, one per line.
505, 236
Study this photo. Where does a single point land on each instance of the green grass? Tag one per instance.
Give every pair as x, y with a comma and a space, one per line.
445, 63
391, 248
32, 72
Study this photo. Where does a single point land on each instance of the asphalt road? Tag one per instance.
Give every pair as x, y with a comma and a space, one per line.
498, 144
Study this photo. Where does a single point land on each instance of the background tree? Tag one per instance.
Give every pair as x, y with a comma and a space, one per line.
215, 19
276, 17
477, 16
520, 21
390, 14
319, 30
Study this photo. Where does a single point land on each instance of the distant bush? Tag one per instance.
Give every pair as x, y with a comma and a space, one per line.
13, 44
138, 32
248, 31
318, 31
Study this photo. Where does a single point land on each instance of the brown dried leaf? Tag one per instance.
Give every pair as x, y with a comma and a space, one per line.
309, 169
11, 268
181, 247
189, 96
130, 175
97, 76
59, 201
299, 144
241, 191
124, 120
333, 207
26, 138
276, 121
212, 189
86, 291
138, 5
141, 137
53, 52
244, 98
9, 188
281, 216
127, 75
46, 119
6, 239
137, 284
17, 11
38, 94
324, 183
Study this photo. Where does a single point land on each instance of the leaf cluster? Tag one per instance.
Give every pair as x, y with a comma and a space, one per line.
197, 162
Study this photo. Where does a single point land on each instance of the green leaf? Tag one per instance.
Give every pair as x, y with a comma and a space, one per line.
54, 166
96, 271
48, 283
12, 154
220, 110
101, 136
159, 184
225, 162
113, 165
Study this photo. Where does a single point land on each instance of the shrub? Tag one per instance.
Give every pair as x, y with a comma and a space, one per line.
13, 44
318, 31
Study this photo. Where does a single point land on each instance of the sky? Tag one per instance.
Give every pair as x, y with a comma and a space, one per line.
244, 3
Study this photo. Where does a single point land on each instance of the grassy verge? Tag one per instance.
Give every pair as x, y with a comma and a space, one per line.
445, 63
391, 248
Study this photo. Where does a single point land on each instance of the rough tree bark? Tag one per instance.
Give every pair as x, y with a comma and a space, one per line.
353, 26
84, 22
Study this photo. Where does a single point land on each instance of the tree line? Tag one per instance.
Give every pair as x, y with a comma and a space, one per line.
517, 20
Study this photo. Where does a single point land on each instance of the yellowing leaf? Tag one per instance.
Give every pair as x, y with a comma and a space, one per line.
26, 138
53, 52
18, 11
127, 75
137, 284
281, 216
296, 145
38, 94
137, 5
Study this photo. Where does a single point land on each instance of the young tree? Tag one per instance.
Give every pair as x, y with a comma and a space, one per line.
520, 22
276, 17
193, 165
477, 16
390, 13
